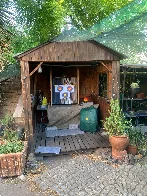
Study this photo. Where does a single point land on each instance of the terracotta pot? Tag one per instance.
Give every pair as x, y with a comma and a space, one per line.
140, 95
132, 150
119, 145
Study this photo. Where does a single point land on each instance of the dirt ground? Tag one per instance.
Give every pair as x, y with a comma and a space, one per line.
17, 189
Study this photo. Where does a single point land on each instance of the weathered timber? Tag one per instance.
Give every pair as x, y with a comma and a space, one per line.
78, 86
115, 79
26, 100
71, 143
69, 51
36, 68
51, 79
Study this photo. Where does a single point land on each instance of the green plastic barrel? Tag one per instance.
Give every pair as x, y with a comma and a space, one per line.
88, 119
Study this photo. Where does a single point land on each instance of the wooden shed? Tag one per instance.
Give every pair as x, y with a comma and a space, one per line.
91, 69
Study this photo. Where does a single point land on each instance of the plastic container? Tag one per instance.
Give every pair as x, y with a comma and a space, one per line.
88, 119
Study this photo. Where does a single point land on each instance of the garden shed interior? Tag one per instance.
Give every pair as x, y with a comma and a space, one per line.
87, 68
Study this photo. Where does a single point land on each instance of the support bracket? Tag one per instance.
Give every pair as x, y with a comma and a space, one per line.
105, 66
36, 68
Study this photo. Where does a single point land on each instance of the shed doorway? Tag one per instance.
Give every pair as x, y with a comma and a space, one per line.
64, 86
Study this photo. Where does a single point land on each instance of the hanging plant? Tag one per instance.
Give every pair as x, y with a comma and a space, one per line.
135, 84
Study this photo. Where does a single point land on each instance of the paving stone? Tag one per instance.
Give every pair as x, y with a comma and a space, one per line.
82, 176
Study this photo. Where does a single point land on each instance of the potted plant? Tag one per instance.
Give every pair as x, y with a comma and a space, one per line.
12, 154
135, 88
13, 150
8, 123
136, 138
117, 127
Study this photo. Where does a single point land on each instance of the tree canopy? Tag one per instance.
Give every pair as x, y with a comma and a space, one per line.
41, 20
32, 22
124, 30
86, 13
5, 33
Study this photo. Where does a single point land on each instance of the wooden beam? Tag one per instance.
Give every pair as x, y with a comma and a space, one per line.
36, 68
51, 81
109, 83
35, 83
115, 79
78, 77
105, 66
26, 101
29, 108
24, 80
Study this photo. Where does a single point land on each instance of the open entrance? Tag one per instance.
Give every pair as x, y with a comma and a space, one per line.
64, 85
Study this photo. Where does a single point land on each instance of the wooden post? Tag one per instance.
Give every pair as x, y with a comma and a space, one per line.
109, 83
25, 78
115, 79
35, 82
78, 86
51, 81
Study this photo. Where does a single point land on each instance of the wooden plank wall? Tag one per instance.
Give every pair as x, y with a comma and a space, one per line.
88, 80
69, 51
78, 84
102, 69
51, 80
43, 82
104, 106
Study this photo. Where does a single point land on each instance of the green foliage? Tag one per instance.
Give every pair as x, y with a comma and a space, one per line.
11, 147
10, 135
116, 123
124, 31
7, 122
139, 139
136, 136
135, 84
5, 33
40, 20
12, 143
142, 148
85, 13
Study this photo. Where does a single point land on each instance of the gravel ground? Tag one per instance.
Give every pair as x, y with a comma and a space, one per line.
82, 176
85, 174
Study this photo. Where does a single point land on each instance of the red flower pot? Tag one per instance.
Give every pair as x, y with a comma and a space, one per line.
119, 145
132, 150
